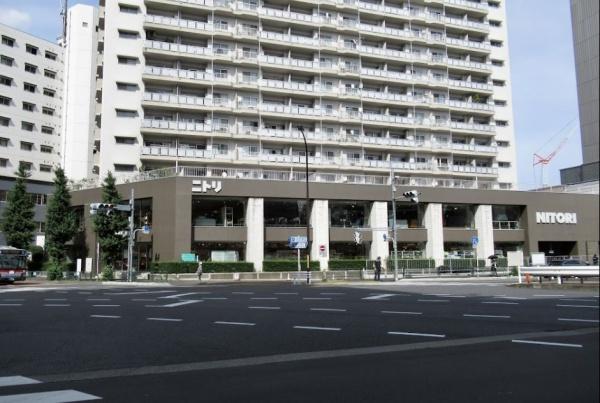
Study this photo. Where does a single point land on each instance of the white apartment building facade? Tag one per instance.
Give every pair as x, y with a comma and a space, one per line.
420, 87
31, 88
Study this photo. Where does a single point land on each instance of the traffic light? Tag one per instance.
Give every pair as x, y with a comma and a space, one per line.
357, 237
413, 195
102, 208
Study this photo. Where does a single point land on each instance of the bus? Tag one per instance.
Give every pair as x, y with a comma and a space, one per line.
13, 264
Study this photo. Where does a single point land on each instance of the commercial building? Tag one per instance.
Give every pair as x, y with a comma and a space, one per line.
244, 215
584, 19
31, 92
422, 87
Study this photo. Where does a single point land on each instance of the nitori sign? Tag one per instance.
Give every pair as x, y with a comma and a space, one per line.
203, 186
555, 218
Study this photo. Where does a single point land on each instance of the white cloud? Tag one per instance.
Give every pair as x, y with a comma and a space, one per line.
15, 18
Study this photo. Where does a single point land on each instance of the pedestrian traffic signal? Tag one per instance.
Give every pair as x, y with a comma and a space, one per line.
413, 195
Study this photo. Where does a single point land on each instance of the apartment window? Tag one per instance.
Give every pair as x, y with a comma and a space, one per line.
47, 130
30, 68
494, 4
27, 126
50, 74
50, 55
29, 87
124, 168
3, 164
28, 166
49, 93
46, 149
7, 61
502, 143
495, 23
498, 102
4, 142
28, 106
497, 63
26, 146
125, 140
4, 121
6, 81
503, 164
8, 41
128, 8
45, 168
5, 101
48, 111
39, 199
128, 34
127, 86
498, 83
497, 44
126, 113
127, 60
501, 123
31, 49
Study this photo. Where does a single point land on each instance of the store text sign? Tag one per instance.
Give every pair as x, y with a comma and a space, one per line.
203, 186
555, 218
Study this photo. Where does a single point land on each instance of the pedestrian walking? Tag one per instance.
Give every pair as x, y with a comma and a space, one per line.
595, 260
378, 268
199, 270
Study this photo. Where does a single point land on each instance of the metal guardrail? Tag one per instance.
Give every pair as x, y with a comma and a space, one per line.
557, 271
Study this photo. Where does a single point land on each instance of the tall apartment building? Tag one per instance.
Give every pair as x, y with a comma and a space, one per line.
31, 88
420, 86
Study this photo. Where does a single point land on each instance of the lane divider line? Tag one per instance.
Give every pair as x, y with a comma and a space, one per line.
105, 316
219, 322
330, 329
578, 320
417, 334
469, 315
577, 306
328, 309
500, 302
165, 319
433, 300
105, 306
264, 307
403, 313
547, 343
379, 296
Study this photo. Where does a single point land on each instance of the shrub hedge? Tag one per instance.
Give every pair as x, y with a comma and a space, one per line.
412, 263
288, 265
207, 267
349, 264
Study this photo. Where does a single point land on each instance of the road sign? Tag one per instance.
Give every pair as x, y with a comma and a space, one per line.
146, 229
297, 242
474, 241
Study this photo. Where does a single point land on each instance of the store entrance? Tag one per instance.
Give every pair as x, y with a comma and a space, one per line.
559, 248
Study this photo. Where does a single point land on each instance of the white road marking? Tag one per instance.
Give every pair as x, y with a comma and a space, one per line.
418, 334
105, 316
62, 292
58, 396
548, 295
105, 306
433, 300
328, 309
214, 298
12, 299
11, 304
402, 313
264, 307
379, 296
173, 305
578, 320
285, 293
185, 295
332, 293
259, 298
57, 304
55, 299
518, 298
84, 292
242, 292
316, 298
97, 299
218, 322
137, 292
468, 315
143, 299
578, 300
500, 303
547, 343
331, 329
16, 380
165, 319
577, 306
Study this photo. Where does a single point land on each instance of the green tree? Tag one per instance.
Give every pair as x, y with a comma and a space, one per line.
60, 219
107, 226
17, 223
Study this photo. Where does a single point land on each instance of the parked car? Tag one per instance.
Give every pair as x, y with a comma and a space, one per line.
573, 262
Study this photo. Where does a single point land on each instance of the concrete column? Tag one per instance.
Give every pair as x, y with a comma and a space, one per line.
485, 231
255, 236
434, 248
319, 221
378, 220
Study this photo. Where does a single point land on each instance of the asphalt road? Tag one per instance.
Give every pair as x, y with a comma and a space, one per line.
430, 342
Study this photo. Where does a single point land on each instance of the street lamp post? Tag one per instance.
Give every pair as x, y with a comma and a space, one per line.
306, 208
394, 228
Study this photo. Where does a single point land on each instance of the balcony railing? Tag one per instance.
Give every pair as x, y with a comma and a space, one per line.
506, 225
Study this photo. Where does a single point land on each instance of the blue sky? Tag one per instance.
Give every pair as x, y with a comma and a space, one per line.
542, 71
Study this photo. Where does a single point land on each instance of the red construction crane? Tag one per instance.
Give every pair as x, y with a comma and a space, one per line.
538, 159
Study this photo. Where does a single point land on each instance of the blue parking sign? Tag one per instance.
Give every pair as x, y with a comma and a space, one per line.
474, 241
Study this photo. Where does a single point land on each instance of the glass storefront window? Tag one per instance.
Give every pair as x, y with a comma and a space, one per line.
506, 217
142, 212
220, 251
458, 250
213, 212
349, 214
285, 213
408, 250
407, 215
281, 250
348, 250
458, 215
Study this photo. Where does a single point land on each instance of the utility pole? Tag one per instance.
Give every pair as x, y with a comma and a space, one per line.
394, 228
131, 238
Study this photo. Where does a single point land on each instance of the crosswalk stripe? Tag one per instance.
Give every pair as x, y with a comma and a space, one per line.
16, 380
58, 396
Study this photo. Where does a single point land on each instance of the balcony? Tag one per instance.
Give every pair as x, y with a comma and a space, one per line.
175, 125
506, 225
473, 126
178, 23
474, 169
473, 148
168, 151
176, 99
